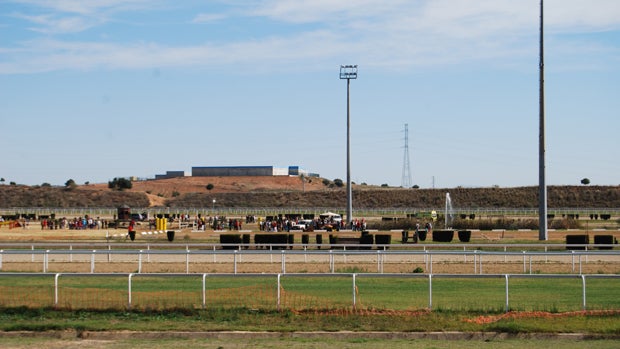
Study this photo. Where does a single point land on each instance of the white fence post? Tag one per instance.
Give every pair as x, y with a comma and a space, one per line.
507, 304
139, 261
235, 260
92, 262
129, 292
278, 293
430, 291
56, 289
45, 259
354, 289
583, 287
283, 269
204, 291
187, 260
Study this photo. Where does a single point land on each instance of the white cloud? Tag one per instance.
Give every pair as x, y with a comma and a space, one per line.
48, 24
397, 34
88, 7
208, 17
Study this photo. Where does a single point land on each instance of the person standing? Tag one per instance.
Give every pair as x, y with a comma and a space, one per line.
131, 230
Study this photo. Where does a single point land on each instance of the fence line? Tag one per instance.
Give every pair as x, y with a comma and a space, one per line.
355, 277
476, 257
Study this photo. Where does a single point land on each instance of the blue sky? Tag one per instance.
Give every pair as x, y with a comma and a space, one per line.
92, 90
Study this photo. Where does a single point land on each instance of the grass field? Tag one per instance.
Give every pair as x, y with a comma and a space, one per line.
305, 293
92, 311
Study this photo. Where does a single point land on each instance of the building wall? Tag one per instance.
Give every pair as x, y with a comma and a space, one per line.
170, 174
232, 171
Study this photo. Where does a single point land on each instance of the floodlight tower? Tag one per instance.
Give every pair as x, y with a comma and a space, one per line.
348, 72
542, 186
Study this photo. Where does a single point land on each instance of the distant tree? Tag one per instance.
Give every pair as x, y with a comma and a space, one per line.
585, 181
2, 180
416, 186
87, 183
384, 185
338, 182
70, 184
210, 186
120, 184
13, 183
46, 185
326, 181
175, 194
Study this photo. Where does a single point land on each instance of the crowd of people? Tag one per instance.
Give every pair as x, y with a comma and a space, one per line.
85, 222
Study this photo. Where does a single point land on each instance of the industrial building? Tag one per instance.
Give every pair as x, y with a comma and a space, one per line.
214, 171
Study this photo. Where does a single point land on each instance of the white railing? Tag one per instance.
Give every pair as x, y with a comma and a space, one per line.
205, 253
57, 289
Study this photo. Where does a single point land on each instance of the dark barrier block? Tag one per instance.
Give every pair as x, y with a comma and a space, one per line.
577, 240
604, 240
443, 235
230, 239
291, 240
333, 240
383, 239
464, 235
422, 235
367, 240
246, 240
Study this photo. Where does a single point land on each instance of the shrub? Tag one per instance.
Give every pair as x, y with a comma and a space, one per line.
338, 182
418, 270
120, 184
210, 186
70, 184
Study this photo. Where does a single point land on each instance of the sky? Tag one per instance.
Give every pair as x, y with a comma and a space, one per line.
99, 89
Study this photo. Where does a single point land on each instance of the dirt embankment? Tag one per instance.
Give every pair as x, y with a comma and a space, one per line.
287, 191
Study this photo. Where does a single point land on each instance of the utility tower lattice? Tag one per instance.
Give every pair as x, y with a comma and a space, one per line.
406, 180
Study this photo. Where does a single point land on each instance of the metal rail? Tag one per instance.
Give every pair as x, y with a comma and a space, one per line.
141, 256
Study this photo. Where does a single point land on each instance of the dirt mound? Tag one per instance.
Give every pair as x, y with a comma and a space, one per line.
285, 191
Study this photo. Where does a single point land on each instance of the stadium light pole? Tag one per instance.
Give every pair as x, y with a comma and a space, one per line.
542, 186
348, 72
